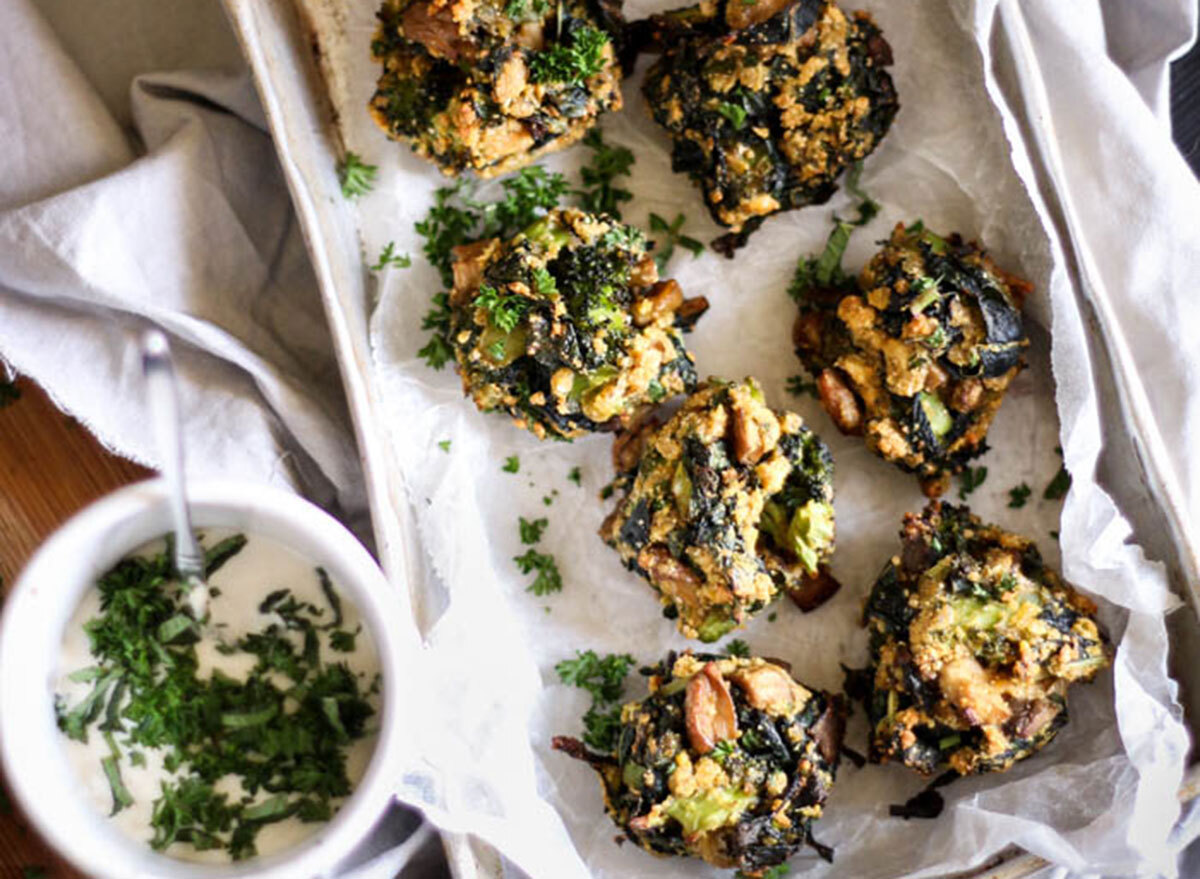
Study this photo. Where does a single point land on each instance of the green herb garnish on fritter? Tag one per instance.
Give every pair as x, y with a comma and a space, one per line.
566, 327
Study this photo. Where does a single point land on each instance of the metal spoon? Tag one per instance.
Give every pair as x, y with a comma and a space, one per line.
168, 437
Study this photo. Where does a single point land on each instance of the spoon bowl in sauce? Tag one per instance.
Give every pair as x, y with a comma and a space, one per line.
299, 578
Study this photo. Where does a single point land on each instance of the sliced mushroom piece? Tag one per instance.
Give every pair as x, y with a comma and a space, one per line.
708, 709
839, 401
770, 689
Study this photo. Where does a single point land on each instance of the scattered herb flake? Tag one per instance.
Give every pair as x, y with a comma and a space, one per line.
512, 464
600, 196
355, 176
531, 532
674, 237
444, 445
734, 113
799, 386
970, 479
389, 257
1059, 485
548, 578
576, 476
737, 647
1019, 495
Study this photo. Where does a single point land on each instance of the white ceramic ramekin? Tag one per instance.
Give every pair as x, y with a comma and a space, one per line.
31, 632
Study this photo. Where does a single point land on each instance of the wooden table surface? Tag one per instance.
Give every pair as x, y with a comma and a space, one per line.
50, 467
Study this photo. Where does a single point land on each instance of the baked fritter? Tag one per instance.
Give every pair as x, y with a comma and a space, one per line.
728, 759
567, 327
766, 103
727, 503
490, 85
974, 641
917, 352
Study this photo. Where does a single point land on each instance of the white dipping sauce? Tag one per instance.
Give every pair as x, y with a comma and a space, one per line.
261, 567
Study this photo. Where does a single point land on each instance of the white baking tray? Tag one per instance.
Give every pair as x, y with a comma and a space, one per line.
282, 57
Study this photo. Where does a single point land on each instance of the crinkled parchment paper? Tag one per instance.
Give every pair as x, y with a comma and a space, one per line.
1100, 798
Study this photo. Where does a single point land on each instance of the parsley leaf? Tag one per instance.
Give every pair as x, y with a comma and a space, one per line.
576, 476
1059, 485
444, 445
600, 196
512, 464
737, 647
735, 113
548, 578
389, 257
826, 269
673, 237
798, 386
576, 59
970, 479
505, 309
603, 678
1019, 495
356, 177
531, 532
437, 351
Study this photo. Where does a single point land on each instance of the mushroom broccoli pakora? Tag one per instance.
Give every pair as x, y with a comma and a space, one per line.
917, 352
727, 503
767, 102
567, 327
490, 85
974, 641
728, 759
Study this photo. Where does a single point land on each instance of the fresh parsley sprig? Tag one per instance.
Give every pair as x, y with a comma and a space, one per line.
600, 195
356, 177
574, 60
604, 678
674, 237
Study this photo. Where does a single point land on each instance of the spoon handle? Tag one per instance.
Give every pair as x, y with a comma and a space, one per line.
164, 418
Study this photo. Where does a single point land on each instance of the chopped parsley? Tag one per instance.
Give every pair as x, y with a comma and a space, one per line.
504, 309
737, 647
576, 476
970, 479
284, 729
456, 218
444, 445
389, 257
1019, 495
1059, 485
574, 60
437, 351
735, 113
512, 464
826, 269
600, 196
674, 236
355, 176
531, 532
798, 386
605, 680
542, 564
